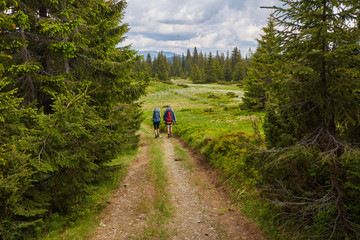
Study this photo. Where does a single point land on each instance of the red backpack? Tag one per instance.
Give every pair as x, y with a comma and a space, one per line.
168, 116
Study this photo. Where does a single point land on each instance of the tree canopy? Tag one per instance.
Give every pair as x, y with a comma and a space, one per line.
313, 120
68, 105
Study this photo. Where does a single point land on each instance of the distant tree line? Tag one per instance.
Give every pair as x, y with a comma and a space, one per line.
198, 67
67, 107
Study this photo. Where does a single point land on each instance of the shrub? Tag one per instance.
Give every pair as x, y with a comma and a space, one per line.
183, 85
193, 134
231, 153
214, 96
299, 186
231, 94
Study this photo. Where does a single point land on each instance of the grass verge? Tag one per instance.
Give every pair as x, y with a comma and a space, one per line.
183, 156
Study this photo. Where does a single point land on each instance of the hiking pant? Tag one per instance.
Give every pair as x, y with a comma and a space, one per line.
156, 125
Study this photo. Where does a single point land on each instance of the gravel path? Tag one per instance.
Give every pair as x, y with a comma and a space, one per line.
122, 218
202, 208
192, 219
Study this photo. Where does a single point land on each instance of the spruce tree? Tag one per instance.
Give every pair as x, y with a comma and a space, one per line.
318, 97
176, 67
202, 61
161, 67
188, 63
210, 73
227, 68
218, 69
235, 57
195, 75
148, 65
239, 71
237, 65
262, 65
70, 105
195, 57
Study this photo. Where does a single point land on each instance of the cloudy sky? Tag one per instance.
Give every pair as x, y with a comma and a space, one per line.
209, 25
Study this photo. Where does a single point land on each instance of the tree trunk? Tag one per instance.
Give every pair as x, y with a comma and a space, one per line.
67, 66
330, 131
29, 95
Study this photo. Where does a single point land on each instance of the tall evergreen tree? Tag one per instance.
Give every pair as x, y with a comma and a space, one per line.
161, 67
78, 107
176, 67
237, 65
195, 57
148, 65
202, 61
188, 63
218, 69
235, 57
263, 64
210, 73
183, 62
319, 98
227, 68
195, 75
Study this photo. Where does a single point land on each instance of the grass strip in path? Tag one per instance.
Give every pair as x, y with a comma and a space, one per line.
161, 209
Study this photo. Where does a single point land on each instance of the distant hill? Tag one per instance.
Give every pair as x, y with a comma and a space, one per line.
154, 54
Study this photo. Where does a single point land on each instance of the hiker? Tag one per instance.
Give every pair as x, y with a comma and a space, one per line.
169, 119
156, 121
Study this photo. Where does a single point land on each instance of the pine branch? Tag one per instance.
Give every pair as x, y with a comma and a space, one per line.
57, 120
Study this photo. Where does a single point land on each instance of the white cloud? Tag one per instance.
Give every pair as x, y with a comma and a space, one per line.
209, 25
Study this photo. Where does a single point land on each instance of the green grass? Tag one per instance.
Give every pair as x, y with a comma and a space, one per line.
182, 155
194, 105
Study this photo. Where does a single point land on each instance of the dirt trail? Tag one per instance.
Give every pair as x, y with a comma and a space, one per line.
202, 208
192, 219
121, 218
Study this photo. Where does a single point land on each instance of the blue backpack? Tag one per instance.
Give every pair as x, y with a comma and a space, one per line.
156, 115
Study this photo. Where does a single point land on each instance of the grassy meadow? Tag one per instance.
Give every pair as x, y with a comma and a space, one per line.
214, 107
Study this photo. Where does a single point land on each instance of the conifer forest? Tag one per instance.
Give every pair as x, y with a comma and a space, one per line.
70, 102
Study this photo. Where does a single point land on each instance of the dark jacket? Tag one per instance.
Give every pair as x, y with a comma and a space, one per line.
172, 115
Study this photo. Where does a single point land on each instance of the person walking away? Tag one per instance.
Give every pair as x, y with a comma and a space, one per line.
156, 121
169, 119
